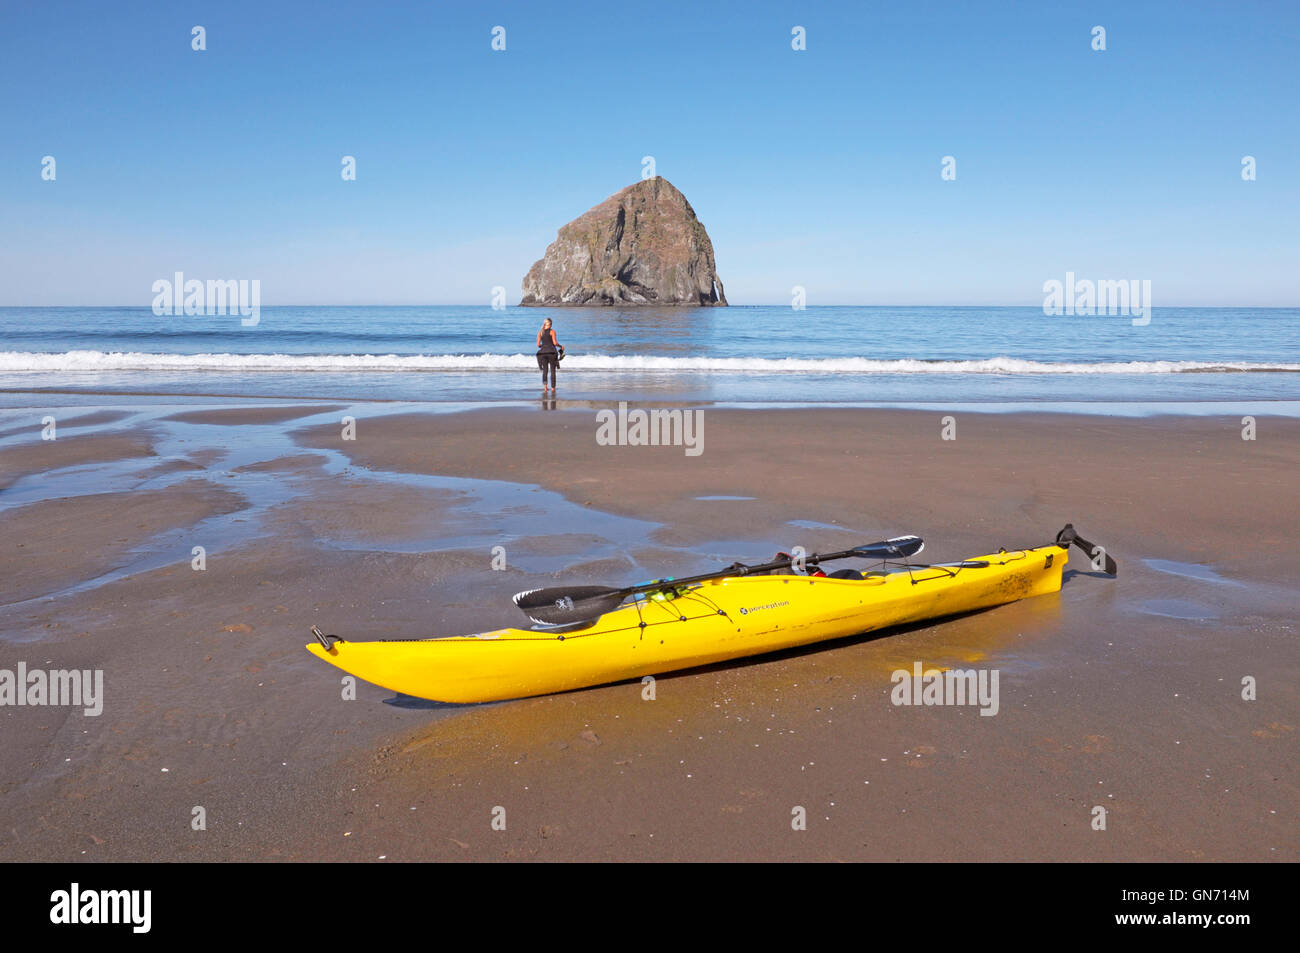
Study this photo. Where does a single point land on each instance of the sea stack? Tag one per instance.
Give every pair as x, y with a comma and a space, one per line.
641, 246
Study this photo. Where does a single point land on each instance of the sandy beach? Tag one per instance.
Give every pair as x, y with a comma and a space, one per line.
1124, 694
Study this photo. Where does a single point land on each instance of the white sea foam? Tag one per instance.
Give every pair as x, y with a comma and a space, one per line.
100, 361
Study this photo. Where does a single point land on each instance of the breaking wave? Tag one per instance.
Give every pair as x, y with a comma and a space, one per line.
92, 361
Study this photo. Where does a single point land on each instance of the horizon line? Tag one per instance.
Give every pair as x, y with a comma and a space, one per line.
676, 307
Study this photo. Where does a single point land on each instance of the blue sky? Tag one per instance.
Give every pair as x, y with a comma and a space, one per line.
818, 168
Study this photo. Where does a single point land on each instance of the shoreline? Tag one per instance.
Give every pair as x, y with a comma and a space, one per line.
1279, 407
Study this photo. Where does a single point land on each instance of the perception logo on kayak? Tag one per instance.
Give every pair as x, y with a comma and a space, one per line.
770, 605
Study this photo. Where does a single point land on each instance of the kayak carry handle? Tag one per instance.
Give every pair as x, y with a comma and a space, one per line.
324, 639
1101, 560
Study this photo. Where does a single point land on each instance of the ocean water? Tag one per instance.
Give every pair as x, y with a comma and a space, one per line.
763, 355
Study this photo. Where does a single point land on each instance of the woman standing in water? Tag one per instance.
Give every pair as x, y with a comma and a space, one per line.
548, 356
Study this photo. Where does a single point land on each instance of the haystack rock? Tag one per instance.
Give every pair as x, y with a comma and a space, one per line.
642, 246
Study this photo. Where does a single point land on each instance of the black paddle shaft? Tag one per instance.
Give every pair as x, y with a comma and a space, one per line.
899, 548
572, 604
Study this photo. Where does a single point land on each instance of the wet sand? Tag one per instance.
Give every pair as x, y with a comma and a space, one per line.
240, 416
40, 456
1123, 694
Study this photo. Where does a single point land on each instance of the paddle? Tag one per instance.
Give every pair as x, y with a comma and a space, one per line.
569, 605
1100, 558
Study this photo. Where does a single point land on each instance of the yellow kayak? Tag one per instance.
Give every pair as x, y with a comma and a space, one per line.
680, 625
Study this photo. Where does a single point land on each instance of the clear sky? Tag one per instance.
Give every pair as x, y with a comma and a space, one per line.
818, 168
